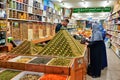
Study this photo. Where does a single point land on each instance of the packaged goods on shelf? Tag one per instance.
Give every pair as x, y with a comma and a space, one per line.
2, 14
3, 24
63, 44
8, 74
41, 33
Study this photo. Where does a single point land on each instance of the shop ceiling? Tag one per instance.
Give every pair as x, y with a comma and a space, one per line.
86, 4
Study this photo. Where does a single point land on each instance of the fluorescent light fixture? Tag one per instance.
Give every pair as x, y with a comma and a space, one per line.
66, 5
106, 3
85, 4
59, 1
90, 14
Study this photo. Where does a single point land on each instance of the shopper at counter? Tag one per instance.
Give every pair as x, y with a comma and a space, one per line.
63, 24
95, 45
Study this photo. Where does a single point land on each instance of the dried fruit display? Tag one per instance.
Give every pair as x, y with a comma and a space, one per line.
53, 77
24, 59
60, 62
63, 44
27, 48
7, 57
30, 77
8, 74
40, 60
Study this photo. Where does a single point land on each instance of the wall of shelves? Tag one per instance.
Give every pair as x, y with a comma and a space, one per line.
3, 22
34, 19
113, 28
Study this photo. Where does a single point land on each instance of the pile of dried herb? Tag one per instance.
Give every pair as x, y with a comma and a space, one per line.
8, 74
64, 45
60, 62
40, 60
26, 48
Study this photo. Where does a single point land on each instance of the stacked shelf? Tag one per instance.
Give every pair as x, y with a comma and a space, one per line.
113, 28
31, 11
3, 15
28, 13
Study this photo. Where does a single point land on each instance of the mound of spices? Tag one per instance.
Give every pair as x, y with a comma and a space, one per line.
40, 60
60, 62
53, 77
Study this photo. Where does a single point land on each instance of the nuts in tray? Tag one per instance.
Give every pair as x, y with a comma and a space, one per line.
30, 77
24, 59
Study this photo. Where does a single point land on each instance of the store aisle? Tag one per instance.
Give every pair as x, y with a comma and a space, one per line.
113, 70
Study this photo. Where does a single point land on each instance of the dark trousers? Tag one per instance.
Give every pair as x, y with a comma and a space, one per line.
95, 58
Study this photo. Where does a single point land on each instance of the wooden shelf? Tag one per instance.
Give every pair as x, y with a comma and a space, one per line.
118, 54
17, 10
2, 18
115, 36
117, 23
42, 39
17, 19
113, 30
114, 12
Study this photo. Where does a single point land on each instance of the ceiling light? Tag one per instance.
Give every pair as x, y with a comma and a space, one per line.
60, 1
107, 1
66, 5
85, 4
90, 14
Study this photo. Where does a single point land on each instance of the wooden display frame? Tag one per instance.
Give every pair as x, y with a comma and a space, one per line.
76, 70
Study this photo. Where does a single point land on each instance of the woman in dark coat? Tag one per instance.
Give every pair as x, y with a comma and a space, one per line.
104, 54
96, 44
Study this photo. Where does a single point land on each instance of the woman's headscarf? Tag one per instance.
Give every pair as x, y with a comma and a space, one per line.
96, 33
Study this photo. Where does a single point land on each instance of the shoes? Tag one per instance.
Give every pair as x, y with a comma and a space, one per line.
104, 68
95, 76
90, 74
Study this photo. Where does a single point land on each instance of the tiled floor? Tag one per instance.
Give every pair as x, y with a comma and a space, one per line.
112, 72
